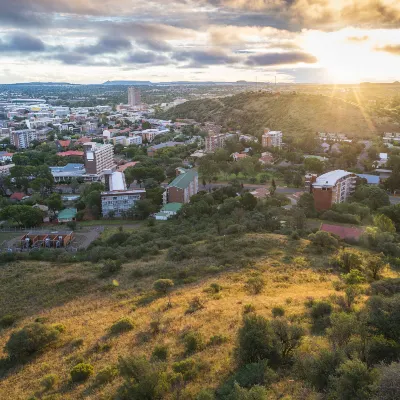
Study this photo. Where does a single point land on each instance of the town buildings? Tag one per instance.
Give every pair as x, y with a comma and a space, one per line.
271, 138
134, 97
23, 138
216, 141
168, 211
333, 187
66, 173
98, 158
152, 150
183, 187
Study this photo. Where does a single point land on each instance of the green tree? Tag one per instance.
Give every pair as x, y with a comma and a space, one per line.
314, 165
248, 201
384, 223
164, 287
54, 202
371, 196
22, 215
306, 202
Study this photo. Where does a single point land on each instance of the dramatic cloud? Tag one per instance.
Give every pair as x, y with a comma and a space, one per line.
105, 45
146, 57
21, 42
358, 39
267, 59
201, 58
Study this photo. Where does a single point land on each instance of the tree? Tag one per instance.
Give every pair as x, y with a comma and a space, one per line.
389, 382
354, 381
143, 208
384, 223
74, 185
306, 202
375, 265
248, 201
299, 218
314, 165
256, 341
22, 215
164, 286
272, 189
372, 196
54, 202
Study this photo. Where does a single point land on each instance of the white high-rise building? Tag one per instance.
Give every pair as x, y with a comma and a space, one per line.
134, 97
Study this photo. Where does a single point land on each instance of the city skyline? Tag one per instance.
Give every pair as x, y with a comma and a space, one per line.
299, 41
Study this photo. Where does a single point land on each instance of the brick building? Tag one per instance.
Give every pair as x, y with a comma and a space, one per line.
333, 187
183, 187
271, 138
98, 157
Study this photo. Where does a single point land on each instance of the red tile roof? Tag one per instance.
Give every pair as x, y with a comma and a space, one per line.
344, 232
17, 196
123, 167
83, 139
64, 143
70, 153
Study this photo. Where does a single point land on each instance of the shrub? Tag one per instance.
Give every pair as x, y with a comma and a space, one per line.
254, 393
354, 277
111, 267
8, 320
205, 394
49, 381
278, 312
214, 288
255, 284
343, 326
323, 241
122, 325
256, 341
160, 353
195, 304
379, 349
375, 265
389, 382
143, 380
187, 368
354, 381
106, 375
163, 287
386, 287
81, 372
178, 253
320, 313
217, 340
31, 339
349, 259
248, 308
193, 342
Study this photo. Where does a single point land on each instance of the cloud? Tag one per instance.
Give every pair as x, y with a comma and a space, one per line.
268, 59
22, 42
392, 49
146, 57
155, 45
358, 38
200, 58
105, 45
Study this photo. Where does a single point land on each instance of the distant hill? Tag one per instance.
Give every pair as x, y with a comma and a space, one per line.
291, 113
43, 84
133, 83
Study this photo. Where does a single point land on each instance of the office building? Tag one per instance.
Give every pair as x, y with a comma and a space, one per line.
271, 138
134, 97
333, 187
98, 157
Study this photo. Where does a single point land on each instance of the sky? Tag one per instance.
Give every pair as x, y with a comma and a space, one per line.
300, 41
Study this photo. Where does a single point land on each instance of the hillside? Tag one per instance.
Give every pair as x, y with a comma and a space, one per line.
87, 305
292, 113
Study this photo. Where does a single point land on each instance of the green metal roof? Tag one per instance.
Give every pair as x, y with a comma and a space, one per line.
163, 214
172, 207
68, 213
182, 181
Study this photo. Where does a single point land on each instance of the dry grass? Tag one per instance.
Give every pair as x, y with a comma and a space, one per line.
87, 305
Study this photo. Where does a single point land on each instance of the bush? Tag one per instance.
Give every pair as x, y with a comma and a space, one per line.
320, 315
341, 217
193, 342
111, 267
323, 241
256, 341
178, 253
106, 375
278, 312
8, 320
31, 339
386, 287
160, 353
248, 308
379, 349
122, 325
354, 381
217, 340
349, 259
205, 394
81, 372
49, 381
195, 304
187, 368
255, 284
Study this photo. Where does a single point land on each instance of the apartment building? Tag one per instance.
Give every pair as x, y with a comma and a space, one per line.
216, 141
333, 187
38, 123
98, 158
134, 97
183, 187
271, 138
23, 138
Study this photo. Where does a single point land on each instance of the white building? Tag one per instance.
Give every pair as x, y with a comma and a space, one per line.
272, 138
38, 123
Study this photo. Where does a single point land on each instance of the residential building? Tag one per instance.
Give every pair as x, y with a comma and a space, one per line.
266, 158
183, 187
68, 172
216, 141
133, 140
383, 173
238, 156
333, 187
391, 137
116, 203
371, 179
71, 153
309, 179
134, 97
168, 211
38, 123
152, 150
5, 156
271, 138
23, 138
5, 169
98, 157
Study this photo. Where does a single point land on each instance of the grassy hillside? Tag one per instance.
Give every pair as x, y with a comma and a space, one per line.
88, 305
293, 114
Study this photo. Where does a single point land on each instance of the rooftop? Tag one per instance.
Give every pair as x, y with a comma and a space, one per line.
371, 179
67, 213
171, 207
166, 144
117, 181
183, 180
330, 178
